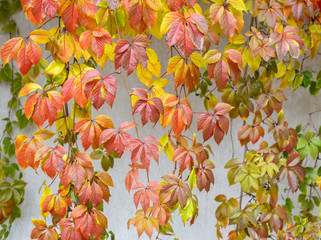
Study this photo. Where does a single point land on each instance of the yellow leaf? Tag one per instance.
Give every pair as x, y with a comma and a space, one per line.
155, 4
81, 112
55, 67
168, 21
288, 78
144, 75
198, 8
39, 36
43, 134
160, 82
169, 151
102, 14
212, 56
281, 69
28, 88
237, 4
61, 124
198, 60
173, 64
253, 62
109, 54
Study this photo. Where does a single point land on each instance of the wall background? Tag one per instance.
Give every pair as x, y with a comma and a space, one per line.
121, 206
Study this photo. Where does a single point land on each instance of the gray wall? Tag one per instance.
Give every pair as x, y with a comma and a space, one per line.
121, 206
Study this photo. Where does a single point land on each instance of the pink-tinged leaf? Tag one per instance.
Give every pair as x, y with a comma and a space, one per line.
228, 24
141, 93
97, 194
77, 175
91, 75
50, 7
222, 108
174, 33
85, 193
126, 126
221, 73
84, 159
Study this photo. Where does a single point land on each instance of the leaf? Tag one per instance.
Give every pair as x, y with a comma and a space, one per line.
28, 88
177, 122
55, 67
9, 50
34, 53
23, 60
40, 36
77, 176
43, 134
70, 17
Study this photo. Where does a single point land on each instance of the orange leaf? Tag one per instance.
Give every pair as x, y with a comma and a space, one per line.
9, 49
34, 52
177, 122
28, 88
23, 60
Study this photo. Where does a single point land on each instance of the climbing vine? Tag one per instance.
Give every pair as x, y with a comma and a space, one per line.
239, 69
12, 187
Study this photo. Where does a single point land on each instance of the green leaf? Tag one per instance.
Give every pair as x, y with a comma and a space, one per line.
302, 142
16, 197
288, 206
5, 195
316, 141
308, 74
314, 91
19, 184
297, 82
313, 149
306, 82
311, 173
120, 18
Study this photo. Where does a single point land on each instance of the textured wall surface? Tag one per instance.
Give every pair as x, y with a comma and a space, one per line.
121, 206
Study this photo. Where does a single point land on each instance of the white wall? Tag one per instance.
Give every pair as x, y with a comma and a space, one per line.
121, 206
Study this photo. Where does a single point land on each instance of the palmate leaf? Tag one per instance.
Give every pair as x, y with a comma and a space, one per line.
212, 126
128, 55
96, 39
286, 39
99, 89
222, 65
184, 36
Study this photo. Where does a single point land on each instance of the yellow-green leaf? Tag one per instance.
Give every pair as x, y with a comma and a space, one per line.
43, 134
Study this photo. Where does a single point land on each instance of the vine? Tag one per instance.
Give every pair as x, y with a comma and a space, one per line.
249, 75
12, 187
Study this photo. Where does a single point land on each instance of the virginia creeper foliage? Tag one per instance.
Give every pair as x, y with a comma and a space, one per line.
214, 54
